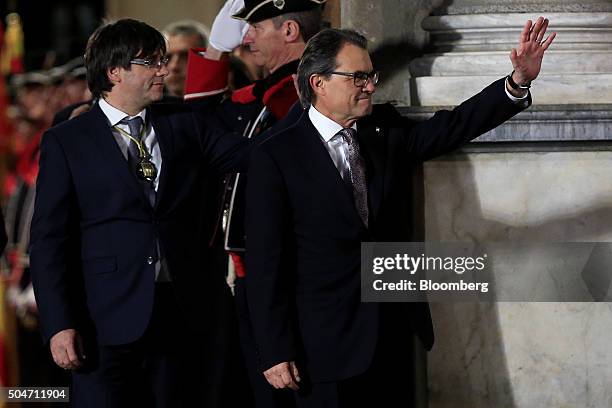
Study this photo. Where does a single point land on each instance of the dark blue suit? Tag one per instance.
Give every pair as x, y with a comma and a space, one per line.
303, 247
94, 233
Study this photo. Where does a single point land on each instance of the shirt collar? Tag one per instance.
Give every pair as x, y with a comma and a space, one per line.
115, 115
326, 127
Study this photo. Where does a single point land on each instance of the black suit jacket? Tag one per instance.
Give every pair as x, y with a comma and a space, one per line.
304, 232
93, 236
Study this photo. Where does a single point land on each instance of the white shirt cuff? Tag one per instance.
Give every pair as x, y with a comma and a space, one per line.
518, 101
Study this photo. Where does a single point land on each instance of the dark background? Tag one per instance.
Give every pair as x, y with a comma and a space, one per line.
54, 31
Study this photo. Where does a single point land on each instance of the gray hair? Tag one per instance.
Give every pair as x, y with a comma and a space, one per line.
320, 58
188, 28
309, 21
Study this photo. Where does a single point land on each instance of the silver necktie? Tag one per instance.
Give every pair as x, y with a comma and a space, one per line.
135, 126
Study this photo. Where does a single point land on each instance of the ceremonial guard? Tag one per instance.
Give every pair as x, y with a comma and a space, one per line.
276, 33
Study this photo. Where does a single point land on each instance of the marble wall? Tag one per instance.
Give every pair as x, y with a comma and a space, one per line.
520, 354
547, 181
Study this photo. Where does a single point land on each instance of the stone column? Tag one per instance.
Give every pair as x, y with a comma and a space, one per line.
521, 354
395, 37
471, 41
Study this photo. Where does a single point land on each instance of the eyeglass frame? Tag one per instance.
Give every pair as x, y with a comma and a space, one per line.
147, 63
372, 76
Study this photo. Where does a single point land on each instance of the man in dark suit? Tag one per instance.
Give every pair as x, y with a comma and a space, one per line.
339, 177
118, 239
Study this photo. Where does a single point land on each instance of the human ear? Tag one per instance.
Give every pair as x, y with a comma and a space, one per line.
114, 74
317, 84
291, 31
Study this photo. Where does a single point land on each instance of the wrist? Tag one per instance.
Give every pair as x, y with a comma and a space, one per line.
517, 82
517, 93
213, 54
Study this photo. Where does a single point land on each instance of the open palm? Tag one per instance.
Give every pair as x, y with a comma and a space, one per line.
527, 57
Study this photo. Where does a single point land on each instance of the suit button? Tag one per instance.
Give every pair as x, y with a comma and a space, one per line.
150, 260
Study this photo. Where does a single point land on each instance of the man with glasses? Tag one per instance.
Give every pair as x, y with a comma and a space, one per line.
118, 246
337, 178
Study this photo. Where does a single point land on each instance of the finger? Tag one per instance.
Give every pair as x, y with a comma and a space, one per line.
281, 384
275, 379
284, 375
525, 33
278, 382
287, 380
549, 41
292, 385
60, 357
275, 382
513, 57
542, 32
73, 358
56, 353
536, 29
294, 372
271, 379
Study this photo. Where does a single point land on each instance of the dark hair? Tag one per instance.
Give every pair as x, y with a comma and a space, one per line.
320, 58
114, 45
188, 28
309, 21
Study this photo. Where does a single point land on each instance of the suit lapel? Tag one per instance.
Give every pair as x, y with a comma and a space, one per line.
315, 159
102, 136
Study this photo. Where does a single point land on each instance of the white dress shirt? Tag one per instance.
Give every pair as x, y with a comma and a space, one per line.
115, 116
334, 143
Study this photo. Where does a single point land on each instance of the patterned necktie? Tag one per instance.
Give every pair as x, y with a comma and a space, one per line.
135, 125
357, 173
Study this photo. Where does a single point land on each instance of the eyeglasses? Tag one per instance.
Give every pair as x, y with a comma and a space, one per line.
360, 79
152, 64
